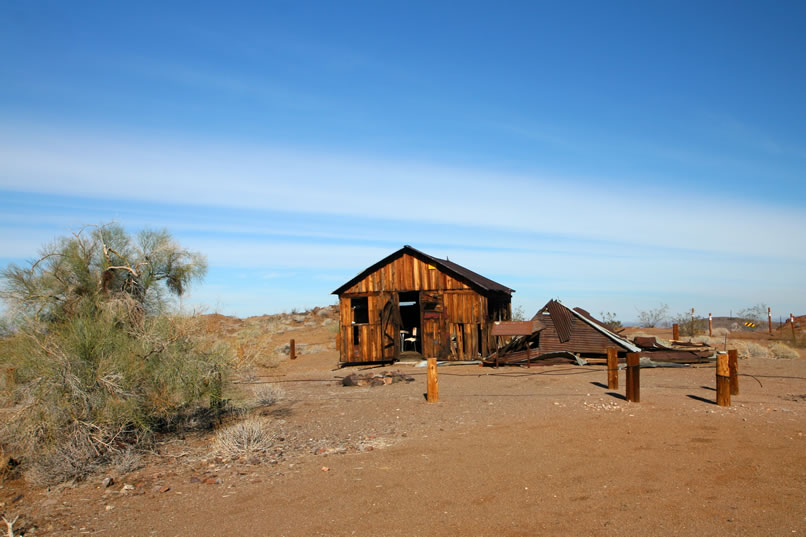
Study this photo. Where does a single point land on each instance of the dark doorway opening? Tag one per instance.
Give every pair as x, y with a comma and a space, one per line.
410, 329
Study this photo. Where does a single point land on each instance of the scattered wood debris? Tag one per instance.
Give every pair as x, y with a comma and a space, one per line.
680, 352
376, 379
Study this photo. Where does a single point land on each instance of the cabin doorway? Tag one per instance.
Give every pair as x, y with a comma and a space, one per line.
411, 332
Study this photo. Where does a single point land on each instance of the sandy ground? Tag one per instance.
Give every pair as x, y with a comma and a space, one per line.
515, 451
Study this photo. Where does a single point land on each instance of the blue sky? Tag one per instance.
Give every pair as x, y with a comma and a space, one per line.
616, 155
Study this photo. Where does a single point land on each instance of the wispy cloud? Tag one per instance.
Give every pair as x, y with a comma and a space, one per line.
282, 227
122, 166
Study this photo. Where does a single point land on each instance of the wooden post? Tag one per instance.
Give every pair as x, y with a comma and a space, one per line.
733, 366
710, 326
722, 380
293, 351
769, 319
634, 377
432, 389
612, 368
675, 332
792, 322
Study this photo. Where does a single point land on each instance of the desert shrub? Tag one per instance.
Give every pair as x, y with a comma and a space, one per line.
268, 394
99, 360
245, 437
783, 352
252, 345
128, 461
721, 332
72, 459
653, 317
518, 313
712, 341
748, 349
690, 327
756, 314
609, 320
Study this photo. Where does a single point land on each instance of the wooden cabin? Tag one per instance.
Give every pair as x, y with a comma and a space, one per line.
411, 302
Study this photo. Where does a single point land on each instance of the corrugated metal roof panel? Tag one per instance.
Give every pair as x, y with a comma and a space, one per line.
562, 320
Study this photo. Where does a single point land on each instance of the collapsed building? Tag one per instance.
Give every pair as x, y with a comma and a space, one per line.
564, 335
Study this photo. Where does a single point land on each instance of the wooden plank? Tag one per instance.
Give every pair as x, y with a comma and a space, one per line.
516, 328
469, 355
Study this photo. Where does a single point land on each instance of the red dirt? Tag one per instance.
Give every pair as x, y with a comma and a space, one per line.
541, 451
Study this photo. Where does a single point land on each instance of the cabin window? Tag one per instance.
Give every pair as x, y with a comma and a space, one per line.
360, 308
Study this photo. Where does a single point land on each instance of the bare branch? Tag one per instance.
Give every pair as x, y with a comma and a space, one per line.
11, 525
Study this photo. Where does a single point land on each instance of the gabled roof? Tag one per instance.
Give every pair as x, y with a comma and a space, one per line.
561, 315
459, 272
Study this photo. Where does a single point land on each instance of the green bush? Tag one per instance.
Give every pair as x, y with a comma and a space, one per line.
100, 362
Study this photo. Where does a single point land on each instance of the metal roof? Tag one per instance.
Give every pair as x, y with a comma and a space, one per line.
560, 315
458, 271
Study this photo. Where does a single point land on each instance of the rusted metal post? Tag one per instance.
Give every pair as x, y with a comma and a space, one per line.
633, 377
612, 368
432, 389
722, 380
710, 326
675, 332
769, 319
293, 351
733, 366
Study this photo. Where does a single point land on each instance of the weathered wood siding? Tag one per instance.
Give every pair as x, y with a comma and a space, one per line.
457, 329
584, 338
406, 273
367, 347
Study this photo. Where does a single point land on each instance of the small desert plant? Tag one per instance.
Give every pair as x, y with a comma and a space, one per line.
748, 349
609, 320
128, 461
518, 313
712, 341
783, 352
653, 317
690, 326
268, 394
249, 436
71, 460
757, 314
721, 332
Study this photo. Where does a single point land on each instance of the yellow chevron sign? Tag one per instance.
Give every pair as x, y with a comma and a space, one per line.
749, 324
